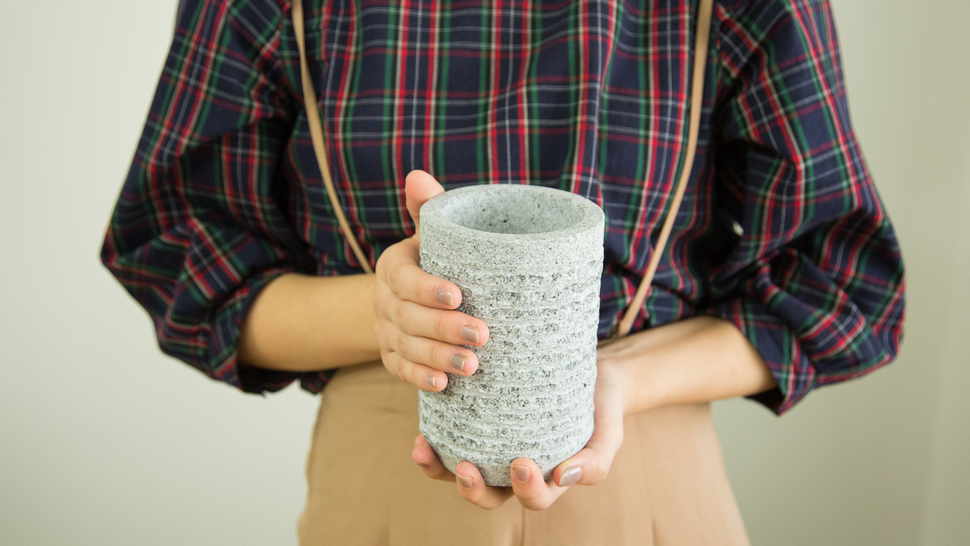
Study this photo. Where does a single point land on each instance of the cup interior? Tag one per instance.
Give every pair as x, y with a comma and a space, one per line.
513, 210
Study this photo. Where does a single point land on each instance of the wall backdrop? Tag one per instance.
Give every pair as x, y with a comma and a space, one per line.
105, 441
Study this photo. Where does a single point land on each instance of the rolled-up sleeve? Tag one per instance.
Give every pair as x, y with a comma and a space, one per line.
197, 231
816, 278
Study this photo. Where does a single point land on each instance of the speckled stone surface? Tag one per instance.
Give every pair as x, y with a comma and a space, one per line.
528, 261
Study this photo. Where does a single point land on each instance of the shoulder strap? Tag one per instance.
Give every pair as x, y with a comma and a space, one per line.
316, 135
696, 99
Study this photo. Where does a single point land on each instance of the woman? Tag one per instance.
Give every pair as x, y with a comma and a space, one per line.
782, 272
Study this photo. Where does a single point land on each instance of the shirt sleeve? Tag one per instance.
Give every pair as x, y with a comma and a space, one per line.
197, 231
816, 279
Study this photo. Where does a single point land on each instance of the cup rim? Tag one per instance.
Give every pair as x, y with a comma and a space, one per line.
433, 210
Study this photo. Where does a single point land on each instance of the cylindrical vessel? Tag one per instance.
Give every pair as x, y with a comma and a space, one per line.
528, 261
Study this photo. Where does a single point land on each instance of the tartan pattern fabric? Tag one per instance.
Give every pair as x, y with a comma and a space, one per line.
781, 230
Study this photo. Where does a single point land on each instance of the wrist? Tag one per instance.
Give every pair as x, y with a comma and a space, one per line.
697, 360
307, 323
629, 362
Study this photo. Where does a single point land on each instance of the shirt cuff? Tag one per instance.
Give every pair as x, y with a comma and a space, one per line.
778, 346
224, 335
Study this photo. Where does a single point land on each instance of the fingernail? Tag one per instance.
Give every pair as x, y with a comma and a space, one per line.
423, 465
522, 473
430, 380
466, 481
469, 333
458, 362
444, 297
570, 476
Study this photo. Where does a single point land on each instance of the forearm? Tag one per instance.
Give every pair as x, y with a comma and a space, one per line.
305, 323
696, 360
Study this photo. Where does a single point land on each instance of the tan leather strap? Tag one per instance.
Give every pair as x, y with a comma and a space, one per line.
316, 135
696, 99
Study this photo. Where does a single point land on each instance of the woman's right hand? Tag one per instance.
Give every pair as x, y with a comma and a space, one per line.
418, 330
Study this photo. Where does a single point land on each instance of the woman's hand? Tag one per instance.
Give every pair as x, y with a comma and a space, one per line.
417, 329
588, 467
700, 359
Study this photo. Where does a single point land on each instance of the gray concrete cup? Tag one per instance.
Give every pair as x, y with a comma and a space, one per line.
528, 261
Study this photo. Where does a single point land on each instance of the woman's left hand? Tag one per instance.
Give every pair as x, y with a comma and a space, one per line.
588, 467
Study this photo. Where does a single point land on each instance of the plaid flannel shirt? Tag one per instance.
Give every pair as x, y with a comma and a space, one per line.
781, 231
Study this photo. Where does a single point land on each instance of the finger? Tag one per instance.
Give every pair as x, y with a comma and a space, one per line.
472, 488
447, 326
588, 467
398, 269
435, 354
424, 456
419, 320
422, 377
592, 464
419, 186
532, 491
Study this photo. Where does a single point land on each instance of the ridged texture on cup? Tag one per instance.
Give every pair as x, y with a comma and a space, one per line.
538, 292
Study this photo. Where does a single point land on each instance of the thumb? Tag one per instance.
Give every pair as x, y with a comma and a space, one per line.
419, 186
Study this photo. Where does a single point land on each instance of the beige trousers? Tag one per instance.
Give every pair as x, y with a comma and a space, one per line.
667, 484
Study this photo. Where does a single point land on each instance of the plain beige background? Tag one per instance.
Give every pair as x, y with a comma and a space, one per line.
105, 441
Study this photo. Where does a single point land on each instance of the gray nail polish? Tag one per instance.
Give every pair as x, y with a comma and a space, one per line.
469, 334
570, 476
444, 297
522, 473
458, 362
466, 481
430, 380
